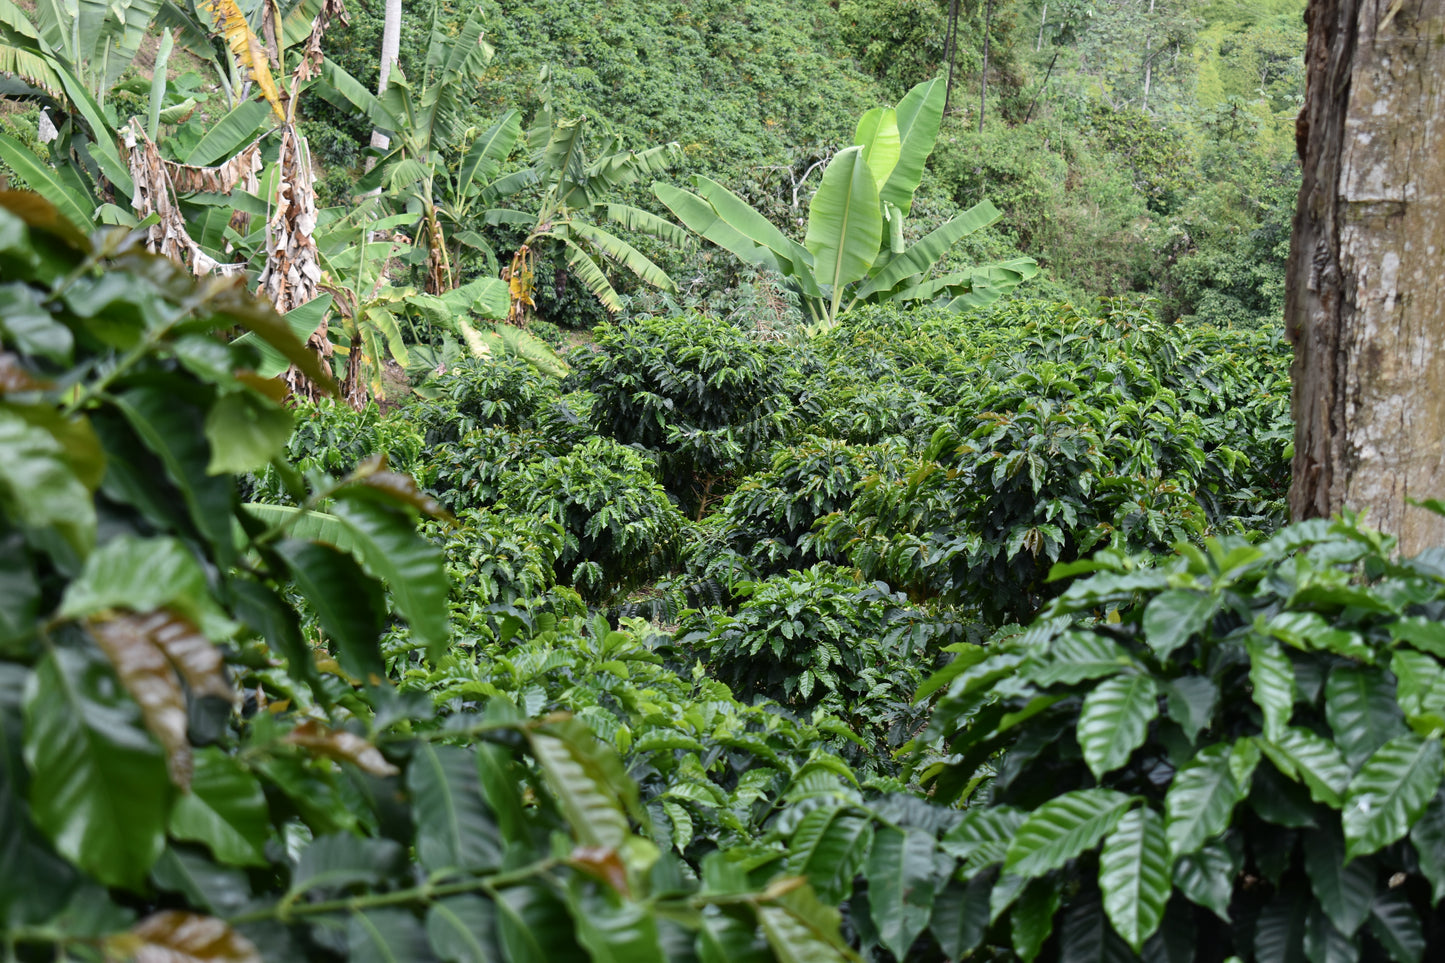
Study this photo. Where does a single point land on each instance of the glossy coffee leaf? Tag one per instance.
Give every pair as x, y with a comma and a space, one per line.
455, 831
225, 809
99, 788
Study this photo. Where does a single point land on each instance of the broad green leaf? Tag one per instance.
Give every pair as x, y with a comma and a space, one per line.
1062, 829
1172, 617
800, 929
454, 831
1271, 679
340, 860
615, 932
462, 929
1362, 712
41, 178
1114, 720
1428, 838
1325, 944
877, 133
245, 432
224, 138
1077, 656
735, 213
1206, 877
158, 84
625, 254
983, 835
1390, 793
731, 938
301, 321
1306, 757
204, 883
1134, 875
928, 250
143, 575
225, 809
298, 523
19, 593
387, 545
1345, 891
830, 847
386, 934
1191, 702
535, 926
702, 219
174, 430
1200, 800
919, 113
1279, 932
38, 488
902, 878
348, 603
845, 225
583, 793
1033, 919
1420, 683
99, 788
960, 915
1425, 634
1394, 922
488, 152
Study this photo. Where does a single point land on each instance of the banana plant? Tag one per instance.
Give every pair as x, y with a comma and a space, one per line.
425, 119
854, 250
574, 203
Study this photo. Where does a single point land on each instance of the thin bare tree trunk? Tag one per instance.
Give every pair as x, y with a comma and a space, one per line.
1365, 305
1043, 19
983, 77
390, 48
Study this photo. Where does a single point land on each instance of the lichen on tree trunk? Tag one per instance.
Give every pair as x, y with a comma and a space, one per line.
1365, 306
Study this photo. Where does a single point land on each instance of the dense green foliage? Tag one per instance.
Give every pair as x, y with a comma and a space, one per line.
647, 599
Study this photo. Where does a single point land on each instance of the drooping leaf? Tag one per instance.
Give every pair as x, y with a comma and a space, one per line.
143, 669
1207, 876
245, 432
388, 546
1345, 890
1173, 616
1390, 793
340, 860
1325, 944
800, 929
386, 935
1191, 702
928, 250
1033, 919
1063, 828
1394, 922
586, 799
902, 878
454, 829
1271, 677
41, 178
1134, 875
225, 809
99, 788
1114, 720
1200, 800
462, 929
1361, 708
960, 915
348, 602
1428, 838
830, 847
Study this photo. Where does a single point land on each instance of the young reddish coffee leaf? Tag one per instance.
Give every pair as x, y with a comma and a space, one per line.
340, 745
603, 863
173, 936
151, 680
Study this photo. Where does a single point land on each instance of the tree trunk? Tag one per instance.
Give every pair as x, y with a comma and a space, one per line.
390, 48
1365, 304
983, 77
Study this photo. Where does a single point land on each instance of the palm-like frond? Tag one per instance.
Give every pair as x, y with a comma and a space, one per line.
593, 278
488, 152
507, 341
645, 222
623, 253
626, 167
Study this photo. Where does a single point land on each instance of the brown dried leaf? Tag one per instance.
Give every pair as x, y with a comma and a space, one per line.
272, 388
14, 378
603, 863
173, 936
148, 676
198, 660
230, 23
340, 745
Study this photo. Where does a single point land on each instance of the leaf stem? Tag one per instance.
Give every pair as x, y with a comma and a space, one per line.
286, 910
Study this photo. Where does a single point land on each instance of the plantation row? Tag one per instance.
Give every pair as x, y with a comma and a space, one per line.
736, 649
